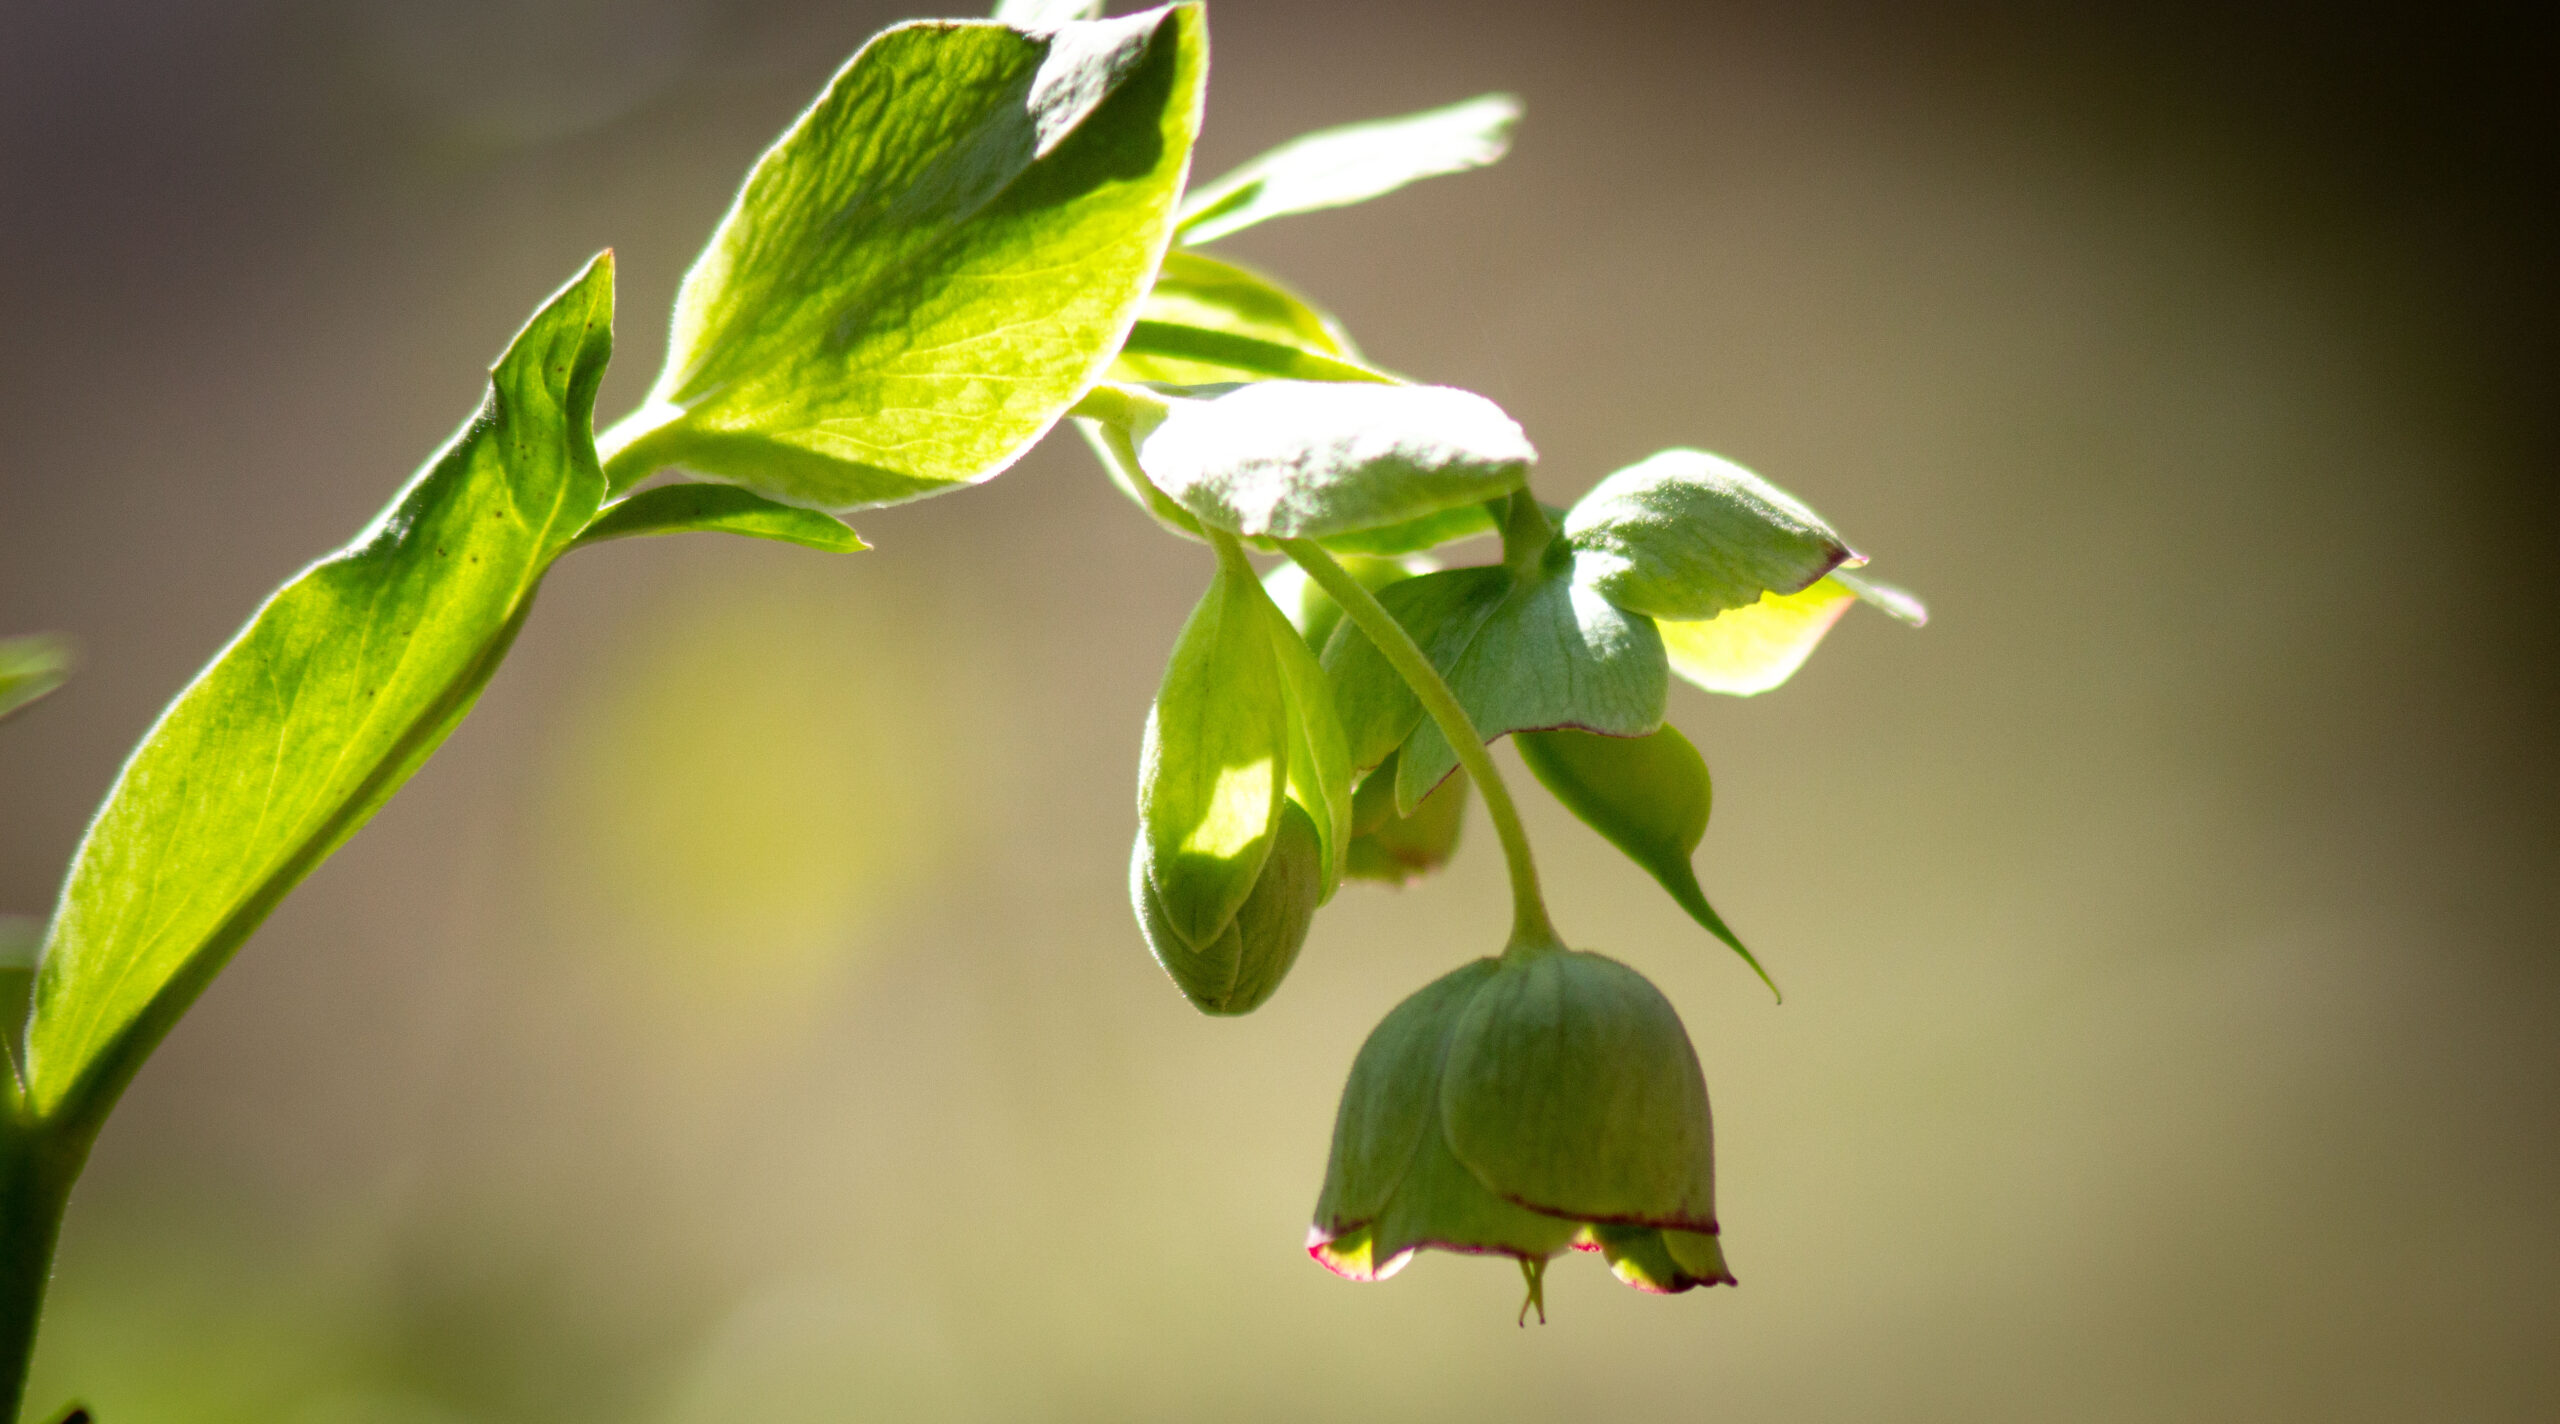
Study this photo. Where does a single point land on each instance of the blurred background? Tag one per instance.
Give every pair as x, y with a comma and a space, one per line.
742, 1018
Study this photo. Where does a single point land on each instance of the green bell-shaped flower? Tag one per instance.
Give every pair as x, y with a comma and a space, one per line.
1518, 1106
1234, 970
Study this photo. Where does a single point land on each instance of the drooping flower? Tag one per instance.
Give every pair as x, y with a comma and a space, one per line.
1519, 1106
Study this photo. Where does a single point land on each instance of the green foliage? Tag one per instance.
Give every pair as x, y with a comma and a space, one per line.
1390, 846
1196, 296
1351, 164
343, 685
932, 265
720, 509
31, 666
1649, 796
1686, 535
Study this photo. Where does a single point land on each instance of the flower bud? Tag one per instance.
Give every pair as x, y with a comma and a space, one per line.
1234, 970
1519, 1106
1396, 849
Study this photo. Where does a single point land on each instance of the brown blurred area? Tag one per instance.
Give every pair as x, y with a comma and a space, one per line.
742, 1019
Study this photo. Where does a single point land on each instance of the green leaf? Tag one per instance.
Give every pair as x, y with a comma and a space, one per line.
1897, 603
1215, 771
337, 691
1203, 293
1398, 849
932, 265
1110, 446
1352, 164
31, 666
1208, 356
1554, 654
722, 509
1649, 796
1687, 535
1305, 459
1442, 611
1319, 765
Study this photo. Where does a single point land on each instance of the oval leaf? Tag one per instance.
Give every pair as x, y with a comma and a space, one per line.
1337, 167
1215, 771
1304, 459
1442, 611
1648, 796
341, 687
930, 267
1687, 535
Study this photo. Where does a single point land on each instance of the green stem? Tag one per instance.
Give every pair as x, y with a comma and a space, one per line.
1531, 931
36, 1173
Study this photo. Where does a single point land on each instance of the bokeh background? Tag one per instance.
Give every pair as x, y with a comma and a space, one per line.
742, 1019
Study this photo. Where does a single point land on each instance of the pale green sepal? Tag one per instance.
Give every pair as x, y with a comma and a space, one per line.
342, 685
1649, 796
1555, 654
1336, 167
932, 264
1743, 652
1319, 765
1391, 1099
719, 509
1571, 1089
31, 665
1312, 459
1214, 773
1661, 1262
1687, 535
1442, 611
1238, 970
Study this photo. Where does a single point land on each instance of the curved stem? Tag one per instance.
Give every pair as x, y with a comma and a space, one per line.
36, 1172
1531, 931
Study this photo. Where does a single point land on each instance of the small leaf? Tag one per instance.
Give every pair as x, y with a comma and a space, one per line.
339, 689
932, 265
1215, 771
1745, 651
31, 666
1398, 849
1303, 459
1337, 167
1442, 611
1649, 796
1555, 654
1204, 293
1207, 356
724, 509
1687, 535
1319, 766
1900, 604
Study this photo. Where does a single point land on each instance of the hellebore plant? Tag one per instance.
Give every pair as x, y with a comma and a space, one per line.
978, 229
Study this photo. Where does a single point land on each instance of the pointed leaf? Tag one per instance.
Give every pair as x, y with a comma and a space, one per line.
1337, 167
1746, 651
1204, 293
341, 687
1687, 535
1304, 459
1648, 796
30, 667
722, 509
1555, 654
1898, 603
931, 266
1215, 770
